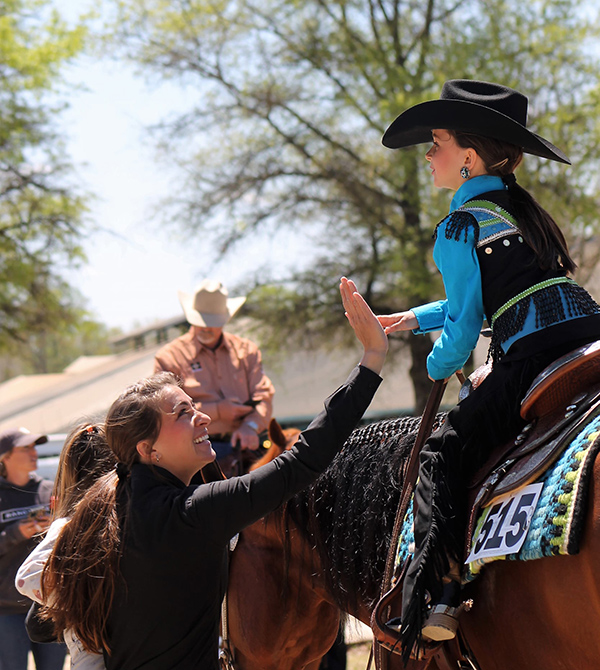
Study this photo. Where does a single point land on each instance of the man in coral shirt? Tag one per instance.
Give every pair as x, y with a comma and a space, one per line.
221, 372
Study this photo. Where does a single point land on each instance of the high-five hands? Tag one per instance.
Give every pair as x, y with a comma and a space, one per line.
366, 326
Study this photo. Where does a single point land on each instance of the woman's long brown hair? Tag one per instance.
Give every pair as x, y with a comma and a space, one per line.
84, 457
540, 230
81, 576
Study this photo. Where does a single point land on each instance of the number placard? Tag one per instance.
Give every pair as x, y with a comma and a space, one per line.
505, 526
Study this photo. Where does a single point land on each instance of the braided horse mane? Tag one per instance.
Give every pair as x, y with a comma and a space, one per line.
348, 514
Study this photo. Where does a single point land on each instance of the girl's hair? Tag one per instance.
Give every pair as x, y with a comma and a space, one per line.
85, 456
539, 229
135, 416
80, 577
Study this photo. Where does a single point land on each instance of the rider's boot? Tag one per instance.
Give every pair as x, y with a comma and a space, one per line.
442, 621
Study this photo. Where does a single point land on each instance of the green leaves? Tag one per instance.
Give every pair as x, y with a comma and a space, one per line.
41, 213
293, 97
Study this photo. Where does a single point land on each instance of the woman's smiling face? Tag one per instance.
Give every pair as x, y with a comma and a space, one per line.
446, 159
182, 445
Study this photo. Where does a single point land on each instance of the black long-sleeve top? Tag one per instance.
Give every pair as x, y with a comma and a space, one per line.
174, 564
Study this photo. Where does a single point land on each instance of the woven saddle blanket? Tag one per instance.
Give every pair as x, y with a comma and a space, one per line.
542, 519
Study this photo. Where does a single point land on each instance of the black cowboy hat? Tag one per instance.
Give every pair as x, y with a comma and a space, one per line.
477, 107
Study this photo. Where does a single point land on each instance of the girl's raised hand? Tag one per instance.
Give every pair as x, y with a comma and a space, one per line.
366, 326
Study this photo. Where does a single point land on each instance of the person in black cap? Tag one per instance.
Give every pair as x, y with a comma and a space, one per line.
502, 258
24, 514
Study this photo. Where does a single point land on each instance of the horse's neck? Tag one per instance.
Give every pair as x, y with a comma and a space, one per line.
266, 532
267, 458
273, 532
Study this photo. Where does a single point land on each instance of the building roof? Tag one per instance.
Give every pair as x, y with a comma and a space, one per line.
54, 403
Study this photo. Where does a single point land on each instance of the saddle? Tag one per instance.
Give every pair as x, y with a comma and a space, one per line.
562, 399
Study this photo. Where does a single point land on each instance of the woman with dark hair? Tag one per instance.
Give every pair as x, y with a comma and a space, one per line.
140, 571
502, 258
84, 458
24, 514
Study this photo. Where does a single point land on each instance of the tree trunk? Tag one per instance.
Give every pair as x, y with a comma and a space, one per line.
420, 346
419, 277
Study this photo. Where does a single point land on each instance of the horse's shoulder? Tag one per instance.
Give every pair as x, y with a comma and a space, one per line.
594, 500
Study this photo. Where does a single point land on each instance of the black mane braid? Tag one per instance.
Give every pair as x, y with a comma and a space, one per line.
348, 513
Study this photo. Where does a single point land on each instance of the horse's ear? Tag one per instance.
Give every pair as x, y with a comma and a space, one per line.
276, 434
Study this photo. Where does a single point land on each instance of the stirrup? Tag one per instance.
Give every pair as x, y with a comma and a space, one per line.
442, 622
395, 624
418, 653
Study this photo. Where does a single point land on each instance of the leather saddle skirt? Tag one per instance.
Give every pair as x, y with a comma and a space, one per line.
562, 399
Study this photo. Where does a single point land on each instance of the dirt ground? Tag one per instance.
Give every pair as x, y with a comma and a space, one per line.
357, 656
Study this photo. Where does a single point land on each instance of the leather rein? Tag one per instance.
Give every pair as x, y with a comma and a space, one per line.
226, 652
411, 472
462, 657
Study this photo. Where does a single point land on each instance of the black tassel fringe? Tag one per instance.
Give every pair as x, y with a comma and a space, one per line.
457, 224
549, 311
443, 543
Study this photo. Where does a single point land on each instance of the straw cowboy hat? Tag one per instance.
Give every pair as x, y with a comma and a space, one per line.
477, 107
209, 305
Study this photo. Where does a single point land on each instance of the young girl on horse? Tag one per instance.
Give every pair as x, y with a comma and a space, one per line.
140, 571
502, 258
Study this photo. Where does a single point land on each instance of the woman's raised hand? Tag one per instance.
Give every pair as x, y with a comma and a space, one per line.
366, 326
399, 321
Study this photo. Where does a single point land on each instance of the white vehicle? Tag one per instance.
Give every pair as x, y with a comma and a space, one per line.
48, 455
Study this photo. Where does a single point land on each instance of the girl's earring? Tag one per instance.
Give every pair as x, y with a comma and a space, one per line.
157, 457
465, 173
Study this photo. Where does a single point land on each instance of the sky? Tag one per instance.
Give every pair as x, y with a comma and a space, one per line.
135, 267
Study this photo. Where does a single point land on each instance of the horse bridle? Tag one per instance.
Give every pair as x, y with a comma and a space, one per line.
226, 660
226, 655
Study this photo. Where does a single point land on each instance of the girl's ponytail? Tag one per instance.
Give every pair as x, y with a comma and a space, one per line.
80, 577
539, 229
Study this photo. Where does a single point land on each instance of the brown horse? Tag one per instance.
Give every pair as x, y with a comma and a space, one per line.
295, 570
283, 613
280, 439
260, 575
542, 614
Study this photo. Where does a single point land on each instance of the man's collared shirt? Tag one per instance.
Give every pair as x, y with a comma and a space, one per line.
232, 371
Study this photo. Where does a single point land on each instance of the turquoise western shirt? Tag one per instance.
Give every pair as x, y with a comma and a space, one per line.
461, 315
